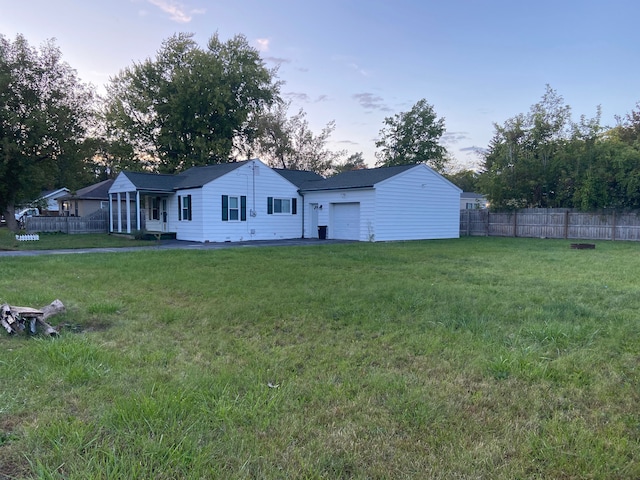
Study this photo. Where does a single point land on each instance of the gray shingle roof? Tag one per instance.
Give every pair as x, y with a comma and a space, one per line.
298, 177
194, 177
355, 178
97, 191
198, 176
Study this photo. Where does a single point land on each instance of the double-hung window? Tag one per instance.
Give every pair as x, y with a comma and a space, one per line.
282, 206
184, 207
234, 208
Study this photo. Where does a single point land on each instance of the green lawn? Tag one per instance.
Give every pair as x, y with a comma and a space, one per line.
55, 241
472, 358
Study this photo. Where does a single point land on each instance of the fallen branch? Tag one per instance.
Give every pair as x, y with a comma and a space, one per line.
14, 319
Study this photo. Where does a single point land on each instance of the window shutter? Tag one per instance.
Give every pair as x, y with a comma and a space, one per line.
294, 206
243, 208
179, 207
269, 205
189, 207
225, 208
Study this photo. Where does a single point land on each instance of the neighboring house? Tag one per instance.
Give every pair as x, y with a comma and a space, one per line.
250, 201
408, 202
86, 201
472, 201
50, 198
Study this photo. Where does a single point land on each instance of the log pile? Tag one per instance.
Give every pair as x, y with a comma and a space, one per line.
15, 319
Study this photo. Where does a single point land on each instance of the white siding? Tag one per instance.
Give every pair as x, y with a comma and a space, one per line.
122, 184
207, 224
417, 204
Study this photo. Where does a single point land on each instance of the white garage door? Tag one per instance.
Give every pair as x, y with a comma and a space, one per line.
346, 221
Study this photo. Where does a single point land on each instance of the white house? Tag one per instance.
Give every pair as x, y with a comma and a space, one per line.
229, 202
472, 201
250, 201
408, 202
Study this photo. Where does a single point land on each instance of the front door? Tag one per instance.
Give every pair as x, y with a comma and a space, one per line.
314, 220
163, 214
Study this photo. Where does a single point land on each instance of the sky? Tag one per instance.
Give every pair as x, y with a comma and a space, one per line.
357, 62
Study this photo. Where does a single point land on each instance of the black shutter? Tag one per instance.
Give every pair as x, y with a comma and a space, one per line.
243, 208
294, 206
269, 205
225, 208
189, 208
179, 207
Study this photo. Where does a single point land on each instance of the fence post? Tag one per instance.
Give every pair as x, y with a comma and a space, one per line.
515, 223
613, 226
468, 223
566, 224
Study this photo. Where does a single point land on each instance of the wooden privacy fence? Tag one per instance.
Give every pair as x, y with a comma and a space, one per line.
551, 223
97, 222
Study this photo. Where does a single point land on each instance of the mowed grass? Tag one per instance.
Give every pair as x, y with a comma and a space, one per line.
56, 241
472, 358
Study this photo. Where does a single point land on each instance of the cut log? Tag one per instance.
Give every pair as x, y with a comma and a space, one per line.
13, 319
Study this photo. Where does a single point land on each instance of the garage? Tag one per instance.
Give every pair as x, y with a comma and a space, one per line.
346, 221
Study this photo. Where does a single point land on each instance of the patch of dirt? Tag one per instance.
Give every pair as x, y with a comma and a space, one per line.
93, 325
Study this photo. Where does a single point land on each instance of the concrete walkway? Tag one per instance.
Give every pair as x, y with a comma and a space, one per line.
178, 245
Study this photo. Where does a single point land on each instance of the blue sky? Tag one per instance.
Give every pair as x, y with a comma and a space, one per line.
357, 62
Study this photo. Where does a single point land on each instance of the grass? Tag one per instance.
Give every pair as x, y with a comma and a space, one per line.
56, 241
471, 358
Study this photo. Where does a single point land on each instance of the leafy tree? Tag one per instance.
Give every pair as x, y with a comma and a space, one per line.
467, 180
412, 137
521, 168
44, 114
188, 105
354, 162
288, 142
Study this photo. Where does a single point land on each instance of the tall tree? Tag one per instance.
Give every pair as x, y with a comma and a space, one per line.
188, 105
289, 142
523, 161
413, 137
44, 113
353, 162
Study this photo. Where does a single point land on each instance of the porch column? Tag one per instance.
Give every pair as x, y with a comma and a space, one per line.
119, 213
128, 211
111, 213
138, 227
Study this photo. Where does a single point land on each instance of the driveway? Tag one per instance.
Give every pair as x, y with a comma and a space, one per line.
179, 245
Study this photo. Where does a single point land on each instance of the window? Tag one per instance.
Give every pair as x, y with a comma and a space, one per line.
234, 208
184, 207
282, 205
470, 206
155, 208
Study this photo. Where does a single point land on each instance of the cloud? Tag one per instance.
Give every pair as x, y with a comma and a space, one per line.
263, 44
276, 60
450, 138
304, 98
177, 12
474, 150
300, 97
369, 101
361, 71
